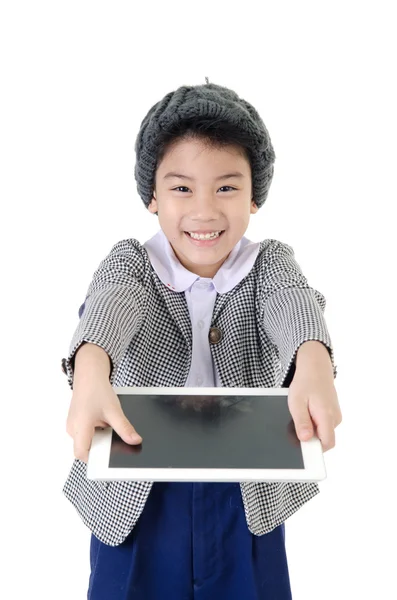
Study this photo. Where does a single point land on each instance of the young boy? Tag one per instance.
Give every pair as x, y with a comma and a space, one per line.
198, 304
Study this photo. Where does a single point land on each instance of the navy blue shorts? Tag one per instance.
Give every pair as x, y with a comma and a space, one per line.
191, 542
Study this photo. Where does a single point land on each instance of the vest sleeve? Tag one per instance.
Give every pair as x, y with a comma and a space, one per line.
292, 312
114, 307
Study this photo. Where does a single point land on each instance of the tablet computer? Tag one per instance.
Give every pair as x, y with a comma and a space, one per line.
206, 434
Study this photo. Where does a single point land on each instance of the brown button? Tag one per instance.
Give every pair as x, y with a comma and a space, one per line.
215, 335
64, 366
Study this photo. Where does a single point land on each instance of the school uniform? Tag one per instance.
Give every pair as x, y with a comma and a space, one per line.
162, 325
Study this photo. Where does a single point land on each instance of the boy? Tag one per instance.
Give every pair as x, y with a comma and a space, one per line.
198, 304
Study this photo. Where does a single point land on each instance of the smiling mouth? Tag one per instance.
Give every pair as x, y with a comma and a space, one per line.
205, 239
206, 242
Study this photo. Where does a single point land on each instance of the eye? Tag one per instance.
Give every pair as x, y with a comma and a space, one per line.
179, 188
228, 186
186, 188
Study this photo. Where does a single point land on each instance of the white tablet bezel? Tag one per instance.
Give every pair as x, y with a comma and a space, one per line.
98, 459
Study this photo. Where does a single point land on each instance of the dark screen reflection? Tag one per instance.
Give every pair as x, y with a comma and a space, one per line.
186, 431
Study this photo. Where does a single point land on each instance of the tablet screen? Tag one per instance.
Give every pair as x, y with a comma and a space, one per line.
193, 431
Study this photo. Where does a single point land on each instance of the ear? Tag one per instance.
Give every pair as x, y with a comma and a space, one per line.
254, 208
153, 205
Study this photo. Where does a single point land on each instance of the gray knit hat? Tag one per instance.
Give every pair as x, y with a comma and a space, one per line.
217, 103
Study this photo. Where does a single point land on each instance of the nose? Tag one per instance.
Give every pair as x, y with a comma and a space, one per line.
204, 206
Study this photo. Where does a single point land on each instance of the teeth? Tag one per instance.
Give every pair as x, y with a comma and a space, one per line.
204, 236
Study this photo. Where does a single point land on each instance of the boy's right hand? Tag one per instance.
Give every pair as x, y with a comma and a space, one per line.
96, 404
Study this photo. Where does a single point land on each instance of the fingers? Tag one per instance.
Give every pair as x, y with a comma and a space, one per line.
338, 417
326, 430
302, 421
85, 414
82, 441
315, 413
117, 419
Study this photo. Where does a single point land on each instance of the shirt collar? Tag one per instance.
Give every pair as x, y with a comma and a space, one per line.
176, 277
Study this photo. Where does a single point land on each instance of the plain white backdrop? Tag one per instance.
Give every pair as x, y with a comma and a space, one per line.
77, 79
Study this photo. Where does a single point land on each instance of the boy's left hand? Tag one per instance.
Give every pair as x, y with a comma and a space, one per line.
313, 402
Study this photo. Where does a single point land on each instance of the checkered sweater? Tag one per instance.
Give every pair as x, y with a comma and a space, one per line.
145, 329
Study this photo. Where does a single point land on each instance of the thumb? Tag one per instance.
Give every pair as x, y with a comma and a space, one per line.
303, 423
119, 422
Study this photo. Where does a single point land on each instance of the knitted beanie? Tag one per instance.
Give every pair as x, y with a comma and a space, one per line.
213, 102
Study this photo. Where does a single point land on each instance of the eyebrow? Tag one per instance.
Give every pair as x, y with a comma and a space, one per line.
171, 174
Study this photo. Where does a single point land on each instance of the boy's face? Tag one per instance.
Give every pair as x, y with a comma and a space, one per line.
200, 202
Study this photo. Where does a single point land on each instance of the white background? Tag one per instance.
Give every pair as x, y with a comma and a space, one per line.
77, 79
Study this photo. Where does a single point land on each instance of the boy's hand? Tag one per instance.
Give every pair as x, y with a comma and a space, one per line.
96, 404
312, 397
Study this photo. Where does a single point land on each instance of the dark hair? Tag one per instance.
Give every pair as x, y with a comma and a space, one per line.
214, 133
